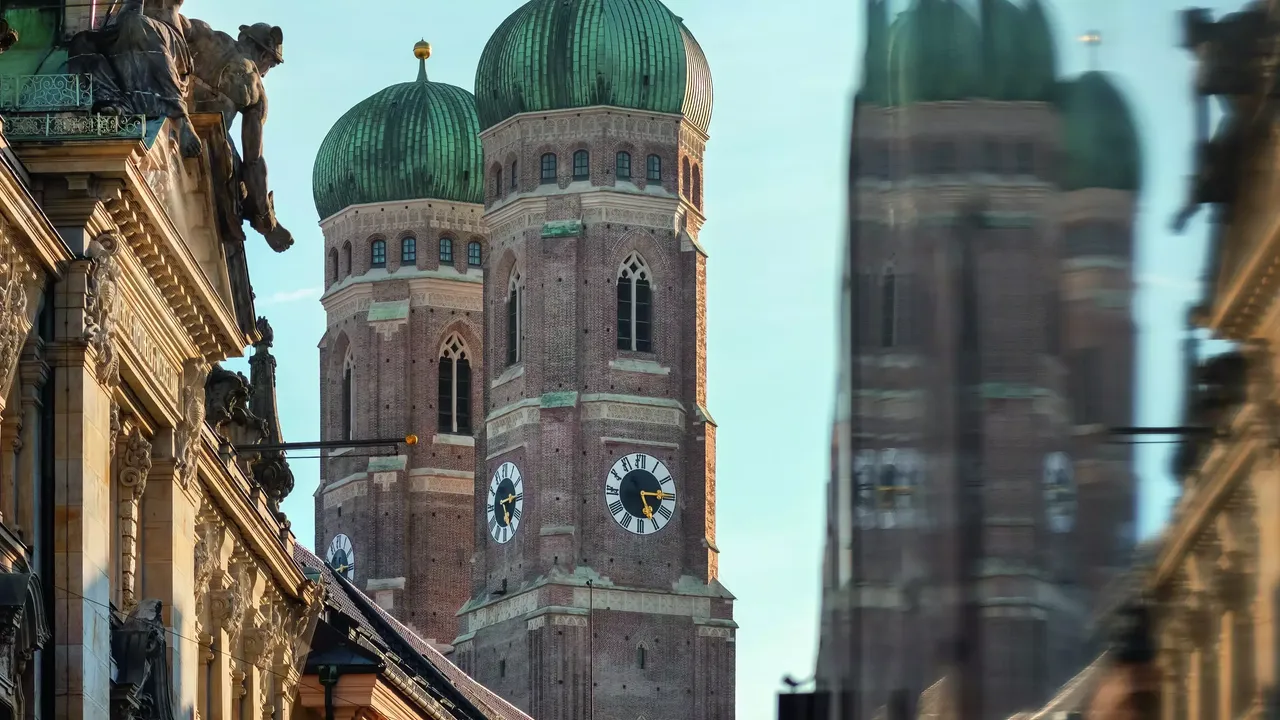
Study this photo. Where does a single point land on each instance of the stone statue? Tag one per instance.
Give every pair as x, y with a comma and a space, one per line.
229, 81
141, 65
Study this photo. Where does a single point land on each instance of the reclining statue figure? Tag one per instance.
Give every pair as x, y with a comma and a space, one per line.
140, 65
229, 81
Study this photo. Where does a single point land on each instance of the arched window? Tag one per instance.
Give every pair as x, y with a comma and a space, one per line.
687, 176
333, 265
378, 254
348, 420
455, 387
548, 168
346, 258
581, 165
888, 309
641, 652
624, 166
697, 186
635, 305
515, 317
654, 168
515, 178
408, 251
446, 251
474, 257
497, 181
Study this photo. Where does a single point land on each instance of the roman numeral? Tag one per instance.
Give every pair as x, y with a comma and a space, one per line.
615, 507
502, 535
520, 497
664, 512
493, 523
640, 461
515, 514
615, 474
626, 521
665, 481
640, 526
626, 464
611, 490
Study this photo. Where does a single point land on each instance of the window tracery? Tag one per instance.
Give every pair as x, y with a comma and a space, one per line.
454, 396
635, 305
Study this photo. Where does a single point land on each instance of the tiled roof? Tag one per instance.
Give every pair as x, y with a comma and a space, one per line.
377, 623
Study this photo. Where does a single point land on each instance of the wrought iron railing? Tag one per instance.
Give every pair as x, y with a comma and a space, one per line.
71, 126
46, 93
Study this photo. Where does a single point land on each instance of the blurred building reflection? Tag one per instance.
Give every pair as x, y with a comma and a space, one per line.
988, 342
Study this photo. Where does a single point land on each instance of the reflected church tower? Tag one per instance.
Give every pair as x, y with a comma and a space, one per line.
398, 187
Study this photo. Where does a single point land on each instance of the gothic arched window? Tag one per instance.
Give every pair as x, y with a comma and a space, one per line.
686, 173
347, 421
635, 305
333, 265
474, 257
515, 317
697, 186
446, 251
515, 178
454, 406
497, 181
654, 169
888, 309
641, 656
378, 254
346, 258
548, 168
408, 251
623, 166
581, 165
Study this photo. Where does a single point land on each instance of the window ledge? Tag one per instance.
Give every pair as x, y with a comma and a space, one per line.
508, 375
340, 451
458, 440
648, 367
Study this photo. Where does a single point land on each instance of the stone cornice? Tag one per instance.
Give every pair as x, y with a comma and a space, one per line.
41, 240
570, 123
249, 515
427, 288
1214, 483
402, 215
149, 232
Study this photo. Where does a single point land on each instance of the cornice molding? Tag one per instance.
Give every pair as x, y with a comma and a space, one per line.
393, 218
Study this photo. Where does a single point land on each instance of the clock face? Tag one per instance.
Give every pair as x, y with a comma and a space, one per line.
342, 556
640, 494
1059, 492
505, 503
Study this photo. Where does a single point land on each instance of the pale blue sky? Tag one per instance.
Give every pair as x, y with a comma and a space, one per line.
775, 182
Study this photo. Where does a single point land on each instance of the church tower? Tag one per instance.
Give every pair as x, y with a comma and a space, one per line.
595, 590
398, 186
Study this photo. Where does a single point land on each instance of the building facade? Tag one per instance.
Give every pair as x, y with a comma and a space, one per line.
595, 589
991, 254
405, 248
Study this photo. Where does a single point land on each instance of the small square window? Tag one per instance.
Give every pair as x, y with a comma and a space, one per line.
446, 251
624, 166
473, 254
581, 165
378, 254
548, 168
408, 251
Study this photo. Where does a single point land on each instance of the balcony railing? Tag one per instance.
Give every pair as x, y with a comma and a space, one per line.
46, 93
66, 126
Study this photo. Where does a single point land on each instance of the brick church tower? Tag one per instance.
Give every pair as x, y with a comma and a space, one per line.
595, 590
398, 186
994, 206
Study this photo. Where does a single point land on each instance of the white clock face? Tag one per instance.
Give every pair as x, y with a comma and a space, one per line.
342, 556
640, 494
505, 504
1059, 492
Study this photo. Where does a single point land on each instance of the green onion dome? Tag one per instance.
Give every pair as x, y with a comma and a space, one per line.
935, 54
410, 141
1101, 139
563, 54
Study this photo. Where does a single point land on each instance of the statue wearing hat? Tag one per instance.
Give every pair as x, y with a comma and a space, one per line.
228, 79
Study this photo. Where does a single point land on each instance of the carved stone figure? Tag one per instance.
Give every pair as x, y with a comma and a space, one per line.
229, 77
271, 469
15, 276
142, 689
187, 434
227, 408
101, 299
141, 65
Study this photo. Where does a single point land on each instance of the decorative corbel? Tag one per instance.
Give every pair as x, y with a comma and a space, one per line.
135, 463
187, 434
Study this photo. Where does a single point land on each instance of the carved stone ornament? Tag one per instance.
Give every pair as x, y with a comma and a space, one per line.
135, 463
23, 630
270, 469
141, 65
227, 395
187, 434
101, 297
143, 687
16, 276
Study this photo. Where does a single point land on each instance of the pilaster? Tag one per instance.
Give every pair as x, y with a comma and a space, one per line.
34, 374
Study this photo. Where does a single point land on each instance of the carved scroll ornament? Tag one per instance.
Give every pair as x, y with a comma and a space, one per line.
187, 434
16, 278
135, 463
101, 298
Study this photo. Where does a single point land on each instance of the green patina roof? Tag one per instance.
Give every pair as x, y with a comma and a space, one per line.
933, 51
561, 54
410, 141
1101, 140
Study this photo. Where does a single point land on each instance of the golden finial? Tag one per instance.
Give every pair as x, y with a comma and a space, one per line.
1093, 39
422, 51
